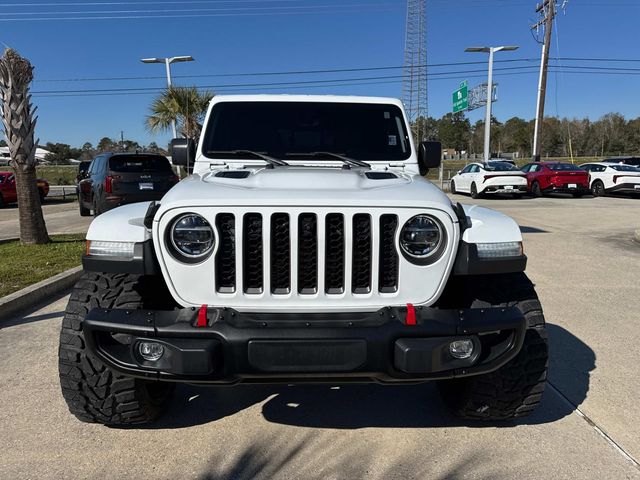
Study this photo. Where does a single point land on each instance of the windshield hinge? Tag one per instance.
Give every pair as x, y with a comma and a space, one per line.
216, 165
387, 166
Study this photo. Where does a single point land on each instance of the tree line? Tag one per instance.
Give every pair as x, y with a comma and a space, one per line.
62, 153
611, 135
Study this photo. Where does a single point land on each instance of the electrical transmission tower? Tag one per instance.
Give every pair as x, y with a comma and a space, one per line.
414, 83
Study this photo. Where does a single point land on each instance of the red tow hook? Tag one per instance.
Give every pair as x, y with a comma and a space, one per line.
411, 315
202, 317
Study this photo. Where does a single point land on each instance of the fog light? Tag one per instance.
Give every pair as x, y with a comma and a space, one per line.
150, 351
461, 349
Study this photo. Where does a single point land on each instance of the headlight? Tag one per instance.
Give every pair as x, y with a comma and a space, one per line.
422, 239
191, 237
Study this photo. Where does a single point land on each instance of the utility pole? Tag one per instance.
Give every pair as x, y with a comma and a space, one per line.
548, 10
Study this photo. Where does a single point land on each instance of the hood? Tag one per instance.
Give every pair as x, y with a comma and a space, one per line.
301, 186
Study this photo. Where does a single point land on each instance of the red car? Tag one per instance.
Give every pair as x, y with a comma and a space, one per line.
556, 177
8, 188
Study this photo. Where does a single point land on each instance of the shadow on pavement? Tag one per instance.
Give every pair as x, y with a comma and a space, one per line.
313, 455
360, 406
524, 229
27, 316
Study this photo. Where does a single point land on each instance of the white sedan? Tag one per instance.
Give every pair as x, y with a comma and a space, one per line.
612, 177
489, 177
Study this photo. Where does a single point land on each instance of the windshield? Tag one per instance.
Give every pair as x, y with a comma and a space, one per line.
499, 167
563, 167
2, 177
139, 163
625, 168
283, 129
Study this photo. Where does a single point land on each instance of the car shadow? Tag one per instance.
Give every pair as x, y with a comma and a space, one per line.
354, 406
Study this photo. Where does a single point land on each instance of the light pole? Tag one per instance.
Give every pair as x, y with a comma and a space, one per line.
168, 61
487, 122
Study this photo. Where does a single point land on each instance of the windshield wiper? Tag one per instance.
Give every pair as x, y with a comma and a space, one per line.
270, 160
347, 160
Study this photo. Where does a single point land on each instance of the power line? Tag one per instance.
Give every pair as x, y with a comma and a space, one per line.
326, 70
310, 84
193, 10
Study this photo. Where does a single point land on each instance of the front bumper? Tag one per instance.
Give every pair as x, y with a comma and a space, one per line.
237, 347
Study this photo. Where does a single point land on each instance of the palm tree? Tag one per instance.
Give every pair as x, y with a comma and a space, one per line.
16, 74
184, 105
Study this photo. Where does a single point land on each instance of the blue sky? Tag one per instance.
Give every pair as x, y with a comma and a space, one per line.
230, 37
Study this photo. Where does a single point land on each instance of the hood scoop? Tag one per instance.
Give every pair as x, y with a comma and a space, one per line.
381, 175
237, 174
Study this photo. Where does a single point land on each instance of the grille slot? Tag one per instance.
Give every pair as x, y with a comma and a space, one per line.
388, 270
280, 253
308, 253
334, 254
252, 269
362, 254
226, 255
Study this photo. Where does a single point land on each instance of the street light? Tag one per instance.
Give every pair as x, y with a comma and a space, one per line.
168, 61
487, 122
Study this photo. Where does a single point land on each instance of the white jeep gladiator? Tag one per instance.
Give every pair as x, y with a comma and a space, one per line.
306, 246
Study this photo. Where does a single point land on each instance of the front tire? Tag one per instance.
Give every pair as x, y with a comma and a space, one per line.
94, 393
453, 187
515, 389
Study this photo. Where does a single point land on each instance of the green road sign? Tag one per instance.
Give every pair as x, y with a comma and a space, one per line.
460, 98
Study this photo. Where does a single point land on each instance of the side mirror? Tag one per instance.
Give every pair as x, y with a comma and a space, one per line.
429, 156
183, 151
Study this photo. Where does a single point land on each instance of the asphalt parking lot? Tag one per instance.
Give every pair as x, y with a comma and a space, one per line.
60, 215
584, 262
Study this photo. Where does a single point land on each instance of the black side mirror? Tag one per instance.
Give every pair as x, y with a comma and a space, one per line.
183, 151
429, 156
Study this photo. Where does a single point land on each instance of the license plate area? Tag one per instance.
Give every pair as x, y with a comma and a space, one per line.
573, 185
508, 187
145, 185
307, 355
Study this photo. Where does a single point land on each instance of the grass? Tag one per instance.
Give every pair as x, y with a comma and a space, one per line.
24, 265
58, 174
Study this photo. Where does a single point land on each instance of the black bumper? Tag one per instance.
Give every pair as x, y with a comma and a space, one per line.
238, 347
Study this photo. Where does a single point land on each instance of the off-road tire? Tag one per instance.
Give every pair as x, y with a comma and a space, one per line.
93, 392
474, 191
536, 191
453, 187
514, 390
1, 201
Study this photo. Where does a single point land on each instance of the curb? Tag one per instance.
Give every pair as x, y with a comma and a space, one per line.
7, 240
33, 294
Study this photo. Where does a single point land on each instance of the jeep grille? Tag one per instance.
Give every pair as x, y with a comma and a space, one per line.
324, 246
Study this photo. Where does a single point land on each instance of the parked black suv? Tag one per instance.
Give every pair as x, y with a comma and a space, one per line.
115, 179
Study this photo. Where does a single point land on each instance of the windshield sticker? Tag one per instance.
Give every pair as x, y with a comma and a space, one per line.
387, 115
393, 140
